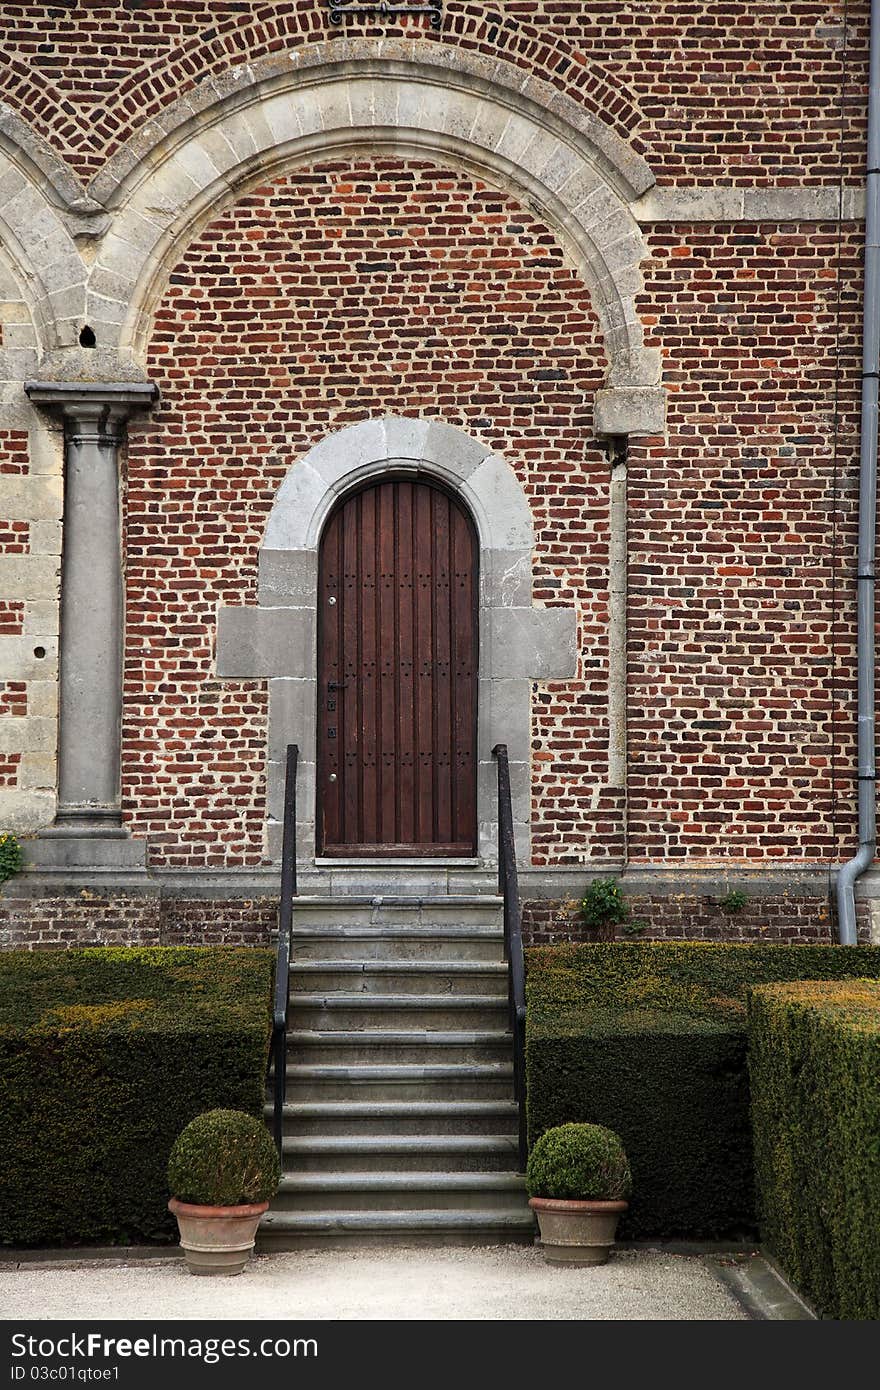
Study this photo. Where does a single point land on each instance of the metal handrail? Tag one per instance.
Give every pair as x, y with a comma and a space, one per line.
278, 1046
508, 886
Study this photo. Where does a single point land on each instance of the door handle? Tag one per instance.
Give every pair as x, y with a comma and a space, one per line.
337, 685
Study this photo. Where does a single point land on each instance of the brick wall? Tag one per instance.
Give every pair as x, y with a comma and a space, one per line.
715, 89
741, 533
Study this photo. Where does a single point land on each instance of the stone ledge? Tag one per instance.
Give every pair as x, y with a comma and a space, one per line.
727, 203
629, 410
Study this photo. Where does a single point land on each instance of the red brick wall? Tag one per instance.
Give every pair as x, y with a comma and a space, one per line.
14, 452
301, 310
705, 89
14, 537
741, 531
11, 623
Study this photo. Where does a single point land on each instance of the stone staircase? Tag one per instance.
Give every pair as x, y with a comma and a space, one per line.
400, 1124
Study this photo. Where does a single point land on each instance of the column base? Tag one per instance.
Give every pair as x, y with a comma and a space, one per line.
94, 840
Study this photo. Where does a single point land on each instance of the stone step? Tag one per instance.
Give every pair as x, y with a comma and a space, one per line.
340, 1009
363, 943
298, 1230
380, 1153
401, 1192
400, 1125
434, 909
399, 977
399, 1117
465, 1081
351, 1046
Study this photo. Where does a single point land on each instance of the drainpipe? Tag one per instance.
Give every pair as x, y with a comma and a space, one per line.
846, 907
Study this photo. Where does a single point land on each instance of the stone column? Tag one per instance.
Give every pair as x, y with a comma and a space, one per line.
88, 829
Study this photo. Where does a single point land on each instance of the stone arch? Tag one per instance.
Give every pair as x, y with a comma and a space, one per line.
38, 195
518, 643
341, 98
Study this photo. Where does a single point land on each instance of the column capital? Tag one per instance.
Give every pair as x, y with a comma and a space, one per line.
95, 408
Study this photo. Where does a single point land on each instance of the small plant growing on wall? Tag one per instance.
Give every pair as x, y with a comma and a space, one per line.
734, 901
11, 857
603, 907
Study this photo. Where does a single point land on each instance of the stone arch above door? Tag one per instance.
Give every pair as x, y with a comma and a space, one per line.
277, 639
343, 98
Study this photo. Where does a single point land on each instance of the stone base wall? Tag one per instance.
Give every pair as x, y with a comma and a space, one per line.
148, 919
87, 919
795, 920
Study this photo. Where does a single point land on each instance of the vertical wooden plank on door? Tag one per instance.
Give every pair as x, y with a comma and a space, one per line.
349, 725
330, 592
464, 675
387, 660
404, 565
369, 671
442, 693
423, 659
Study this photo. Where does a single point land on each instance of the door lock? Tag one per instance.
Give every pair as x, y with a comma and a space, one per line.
337, 685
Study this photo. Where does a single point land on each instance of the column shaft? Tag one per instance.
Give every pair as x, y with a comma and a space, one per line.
91, 625
88, 828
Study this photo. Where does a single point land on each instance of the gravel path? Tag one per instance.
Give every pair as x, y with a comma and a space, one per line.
499, 1282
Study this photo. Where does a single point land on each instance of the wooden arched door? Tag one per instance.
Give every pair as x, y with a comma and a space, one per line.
397, 674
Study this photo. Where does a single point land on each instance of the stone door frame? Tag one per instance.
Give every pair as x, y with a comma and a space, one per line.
277, 639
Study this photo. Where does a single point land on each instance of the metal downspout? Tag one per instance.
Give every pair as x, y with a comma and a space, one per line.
846, 907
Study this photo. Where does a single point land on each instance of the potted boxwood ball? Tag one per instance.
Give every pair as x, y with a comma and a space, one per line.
578, 1180
223, 1170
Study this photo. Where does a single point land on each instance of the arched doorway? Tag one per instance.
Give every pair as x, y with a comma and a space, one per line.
398, 659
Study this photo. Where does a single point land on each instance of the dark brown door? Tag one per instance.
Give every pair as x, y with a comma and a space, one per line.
397, 674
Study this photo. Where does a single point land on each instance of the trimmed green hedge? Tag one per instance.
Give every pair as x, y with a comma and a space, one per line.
105, 1055
814, 1060
649, 1038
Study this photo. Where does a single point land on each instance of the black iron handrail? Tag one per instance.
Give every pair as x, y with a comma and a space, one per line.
278, 1047
508, 886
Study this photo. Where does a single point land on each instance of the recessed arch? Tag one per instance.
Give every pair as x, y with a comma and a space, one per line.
343, 99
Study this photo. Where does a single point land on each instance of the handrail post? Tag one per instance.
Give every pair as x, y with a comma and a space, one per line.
278, 1050
508, 885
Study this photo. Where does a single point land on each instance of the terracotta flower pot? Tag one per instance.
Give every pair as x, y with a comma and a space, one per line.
217, 1240
576, 1233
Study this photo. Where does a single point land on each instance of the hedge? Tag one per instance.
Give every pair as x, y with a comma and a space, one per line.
105, 1055
649, 1039
814, 1060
